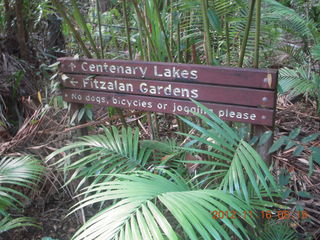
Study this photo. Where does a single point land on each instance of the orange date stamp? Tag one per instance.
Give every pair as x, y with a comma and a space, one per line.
278, 215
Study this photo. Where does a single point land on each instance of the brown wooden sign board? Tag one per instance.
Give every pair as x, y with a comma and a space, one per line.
234, 94
179, 90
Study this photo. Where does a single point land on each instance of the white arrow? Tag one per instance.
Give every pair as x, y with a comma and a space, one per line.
72, 66
64, 77
74, 83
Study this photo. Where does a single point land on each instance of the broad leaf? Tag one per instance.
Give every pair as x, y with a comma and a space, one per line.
142, 205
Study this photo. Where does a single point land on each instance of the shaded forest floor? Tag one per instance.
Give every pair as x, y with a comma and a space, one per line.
49, 203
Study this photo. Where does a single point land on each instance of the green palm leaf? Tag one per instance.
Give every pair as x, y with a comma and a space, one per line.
16, 171
19, 171
290, 20
148, 204
7, 223
98, 155
276, 231
234, 162
298, 81
316, 52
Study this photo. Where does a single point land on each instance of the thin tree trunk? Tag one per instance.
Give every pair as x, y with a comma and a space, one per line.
7, 15
21, 32
246, 33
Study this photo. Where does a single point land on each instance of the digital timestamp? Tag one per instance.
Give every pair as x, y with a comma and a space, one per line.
279, 215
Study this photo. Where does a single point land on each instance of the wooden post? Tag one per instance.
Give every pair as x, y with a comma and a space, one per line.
264, 148
258, 129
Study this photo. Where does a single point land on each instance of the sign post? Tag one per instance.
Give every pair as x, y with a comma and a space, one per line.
234, 94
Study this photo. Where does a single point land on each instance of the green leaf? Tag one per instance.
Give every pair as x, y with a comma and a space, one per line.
299, 207
265, 137
49, 238
254, 140
81, 113
136, 211
156, 145
102, 154
290, 145
295, 133
316, 154
304, 194
284, 178
311, 167
310, 138
214, 20
18, 172
298, 150
316, 52
277, 231
89, 113
286, 193
278, 144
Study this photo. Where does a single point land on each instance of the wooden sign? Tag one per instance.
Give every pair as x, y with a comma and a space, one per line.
234, 94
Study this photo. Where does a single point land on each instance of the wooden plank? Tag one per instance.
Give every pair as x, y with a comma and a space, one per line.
254, 78
178, 90
252, 115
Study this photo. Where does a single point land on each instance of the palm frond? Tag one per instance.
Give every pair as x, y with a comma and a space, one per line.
297, 81
276, 231
16, 171
290, 20
294, 54
7, 223
147, 204
112, 152
233, 161
20, 171
316, 52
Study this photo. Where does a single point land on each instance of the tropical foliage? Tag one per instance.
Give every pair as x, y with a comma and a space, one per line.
146, 189
114, 152
300, 77
22, 172
147, 204
276, 231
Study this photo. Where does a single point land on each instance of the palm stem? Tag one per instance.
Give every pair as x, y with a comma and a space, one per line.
84, 26
228, 41
179, 42
207, 43
147, 24
257, 37
126, 22
143, 23
162, 29
171, 25
246, 34
100, 28
61, 10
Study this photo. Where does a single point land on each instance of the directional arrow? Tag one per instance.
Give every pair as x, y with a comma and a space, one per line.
64, 77
72, 66
74, 82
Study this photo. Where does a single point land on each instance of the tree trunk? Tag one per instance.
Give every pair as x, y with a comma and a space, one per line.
104, 5
21, 32
7, 15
